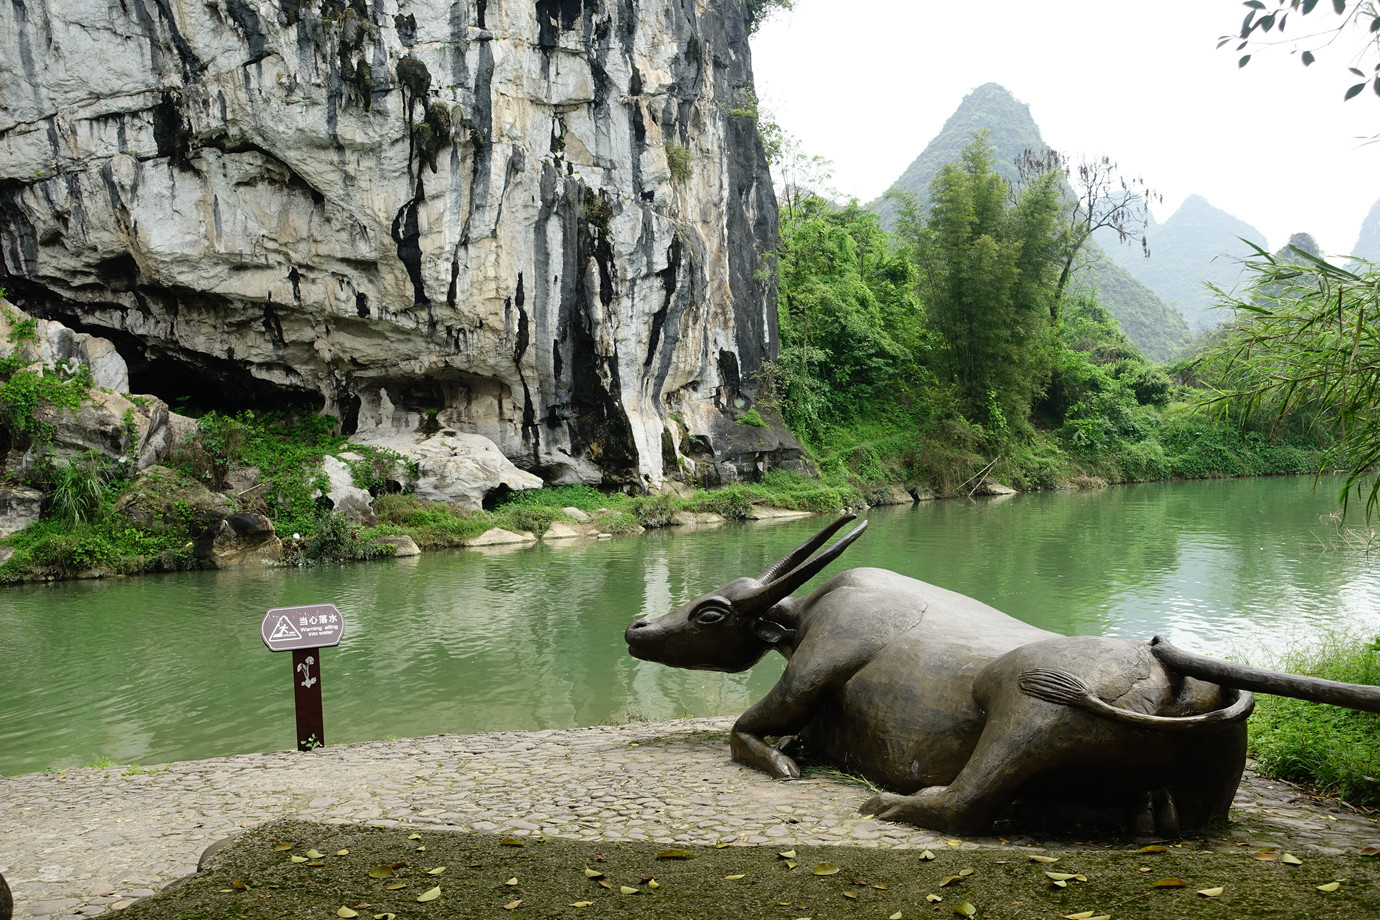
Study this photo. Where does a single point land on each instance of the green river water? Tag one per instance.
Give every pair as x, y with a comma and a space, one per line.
160, 668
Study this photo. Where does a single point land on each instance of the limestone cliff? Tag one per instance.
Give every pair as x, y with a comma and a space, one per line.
542, 222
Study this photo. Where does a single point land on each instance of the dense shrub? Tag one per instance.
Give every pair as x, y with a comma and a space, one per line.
1334, 749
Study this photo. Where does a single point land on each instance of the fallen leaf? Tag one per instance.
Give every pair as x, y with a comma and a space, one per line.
580, 903
882, 886
382, 872
927, 855
1059, 883
1171, 883
239, 885
422, 848
720, 844
317, 863
593, 873
1044, 859
791, 864
788, 854
314, 854
1210, 892
735, 877
283, 846
512, 881
605, 883
1154, 848
1266, 857
298, 859
414, 836
653, 884
964, 909
513, 905
439, 870
1371, 850
626, 889
1143, 869
934, 898
1290, 859
346, 912
895, 916
395, 886
955, 843
511, 842
851, 895
1330, 886
673, 854
1060, 876
342, 852
965, 872
949, 880
1081, 915
826, 868
430, 894
385, 917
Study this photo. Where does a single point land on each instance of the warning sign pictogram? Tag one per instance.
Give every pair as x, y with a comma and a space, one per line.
284, 631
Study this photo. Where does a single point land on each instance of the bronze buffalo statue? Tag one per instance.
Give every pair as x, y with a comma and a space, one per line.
962, 710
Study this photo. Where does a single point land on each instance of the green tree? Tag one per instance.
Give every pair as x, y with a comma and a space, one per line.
1305, 338
1096, 197
850, 326
988, 263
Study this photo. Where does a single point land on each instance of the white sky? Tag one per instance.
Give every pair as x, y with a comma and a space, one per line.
867, 84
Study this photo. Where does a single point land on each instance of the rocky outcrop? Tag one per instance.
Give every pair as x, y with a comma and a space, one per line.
542, 222
244, 538
345, 497
449, 466
19, 507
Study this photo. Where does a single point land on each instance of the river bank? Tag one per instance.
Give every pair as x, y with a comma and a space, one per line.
81, 842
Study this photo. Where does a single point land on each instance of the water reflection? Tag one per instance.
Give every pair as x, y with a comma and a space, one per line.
169, 667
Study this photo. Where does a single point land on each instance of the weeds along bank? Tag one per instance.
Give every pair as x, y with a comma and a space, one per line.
258, 489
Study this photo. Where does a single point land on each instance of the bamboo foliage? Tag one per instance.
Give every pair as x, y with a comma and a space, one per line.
1304, 336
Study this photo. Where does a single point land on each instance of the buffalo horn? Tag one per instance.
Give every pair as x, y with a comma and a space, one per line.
771, 593
802, 552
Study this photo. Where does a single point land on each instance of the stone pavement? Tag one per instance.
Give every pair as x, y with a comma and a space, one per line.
83, 842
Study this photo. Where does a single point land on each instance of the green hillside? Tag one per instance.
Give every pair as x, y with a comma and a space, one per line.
1157, 330
1198, 244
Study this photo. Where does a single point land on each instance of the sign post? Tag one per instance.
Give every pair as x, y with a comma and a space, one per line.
304, 631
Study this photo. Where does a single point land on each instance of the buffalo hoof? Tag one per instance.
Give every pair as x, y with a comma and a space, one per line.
925, 808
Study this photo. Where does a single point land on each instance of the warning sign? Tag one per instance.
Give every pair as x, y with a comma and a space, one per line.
286, 629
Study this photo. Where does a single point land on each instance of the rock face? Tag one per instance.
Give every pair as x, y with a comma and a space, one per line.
453, 467
541, 222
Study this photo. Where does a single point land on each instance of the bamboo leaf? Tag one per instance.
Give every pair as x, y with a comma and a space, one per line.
430, 894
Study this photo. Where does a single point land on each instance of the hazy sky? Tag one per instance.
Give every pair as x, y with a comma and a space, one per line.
867, 84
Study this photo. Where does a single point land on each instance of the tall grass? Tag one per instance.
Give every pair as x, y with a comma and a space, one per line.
1336, 750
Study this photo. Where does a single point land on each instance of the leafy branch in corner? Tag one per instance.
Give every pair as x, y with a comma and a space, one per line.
1355, 18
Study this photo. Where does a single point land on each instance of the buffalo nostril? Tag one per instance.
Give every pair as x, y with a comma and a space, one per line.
638, 624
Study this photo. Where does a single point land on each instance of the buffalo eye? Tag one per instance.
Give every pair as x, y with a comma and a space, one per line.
710, 614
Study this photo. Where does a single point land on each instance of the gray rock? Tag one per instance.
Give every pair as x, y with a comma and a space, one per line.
454, 467
19, 507
403, 546
345, 497
530, 270
122, 429
240, 539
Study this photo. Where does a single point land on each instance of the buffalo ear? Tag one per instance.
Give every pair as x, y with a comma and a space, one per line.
771, 633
